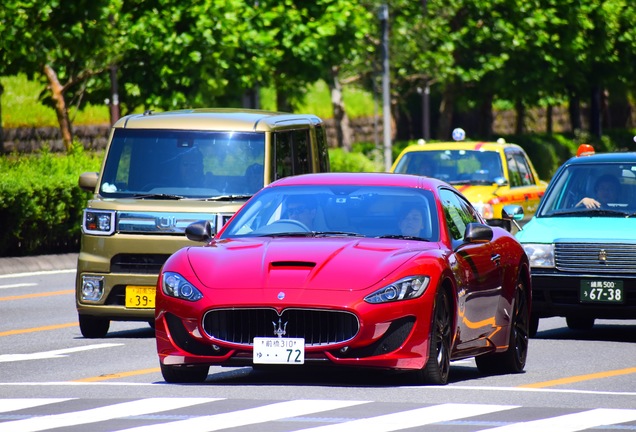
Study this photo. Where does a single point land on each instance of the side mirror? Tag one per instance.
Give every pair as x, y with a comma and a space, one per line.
477, 233
512, 213
88, 181
199, 231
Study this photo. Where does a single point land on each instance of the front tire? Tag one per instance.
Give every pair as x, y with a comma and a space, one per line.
184, 374
513, 360
437, 367
93, 327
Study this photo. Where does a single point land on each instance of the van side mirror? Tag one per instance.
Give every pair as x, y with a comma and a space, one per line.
88, 181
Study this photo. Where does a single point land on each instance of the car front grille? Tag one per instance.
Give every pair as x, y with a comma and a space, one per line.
595, 257
317, 327
138, 263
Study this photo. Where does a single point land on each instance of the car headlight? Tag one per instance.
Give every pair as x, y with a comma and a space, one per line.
540, 255
404, 289
485, 209
175, 285
98, 222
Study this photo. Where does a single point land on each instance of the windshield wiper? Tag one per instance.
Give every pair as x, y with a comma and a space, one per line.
403, 237
595, 212
288, 234
229, 197
159, 196
337, 234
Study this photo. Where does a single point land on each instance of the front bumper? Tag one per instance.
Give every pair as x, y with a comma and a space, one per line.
557, 293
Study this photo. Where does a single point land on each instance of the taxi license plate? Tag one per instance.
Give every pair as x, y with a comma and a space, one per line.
140, 297
602, 291
279, 350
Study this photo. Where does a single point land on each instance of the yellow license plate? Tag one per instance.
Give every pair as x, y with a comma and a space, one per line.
140, 297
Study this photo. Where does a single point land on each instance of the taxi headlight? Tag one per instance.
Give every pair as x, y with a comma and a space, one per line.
175, 285
485, 209
404, 289
540, 255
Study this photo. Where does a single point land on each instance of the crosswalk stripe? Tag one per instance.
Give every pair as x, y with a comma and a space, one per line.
572, 422
125, 409
249, 416
8, 405
412, 418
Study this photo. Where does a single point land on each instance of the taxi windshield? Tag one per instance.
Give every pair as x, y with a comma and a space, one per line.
454, 166
607, 189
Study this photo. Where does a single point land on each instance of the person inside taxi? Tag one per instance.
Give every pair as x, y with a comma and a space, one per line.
606, 191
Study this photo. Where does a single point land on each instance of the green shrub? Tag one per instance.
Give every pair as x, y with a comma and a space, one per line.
342, 161
40, 202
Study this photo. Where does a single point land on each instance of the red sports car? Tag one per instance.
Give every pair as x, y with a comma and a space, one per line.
377, 270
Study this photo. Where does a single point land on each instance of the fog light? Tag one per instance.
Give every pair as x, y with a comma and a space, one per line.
92, 288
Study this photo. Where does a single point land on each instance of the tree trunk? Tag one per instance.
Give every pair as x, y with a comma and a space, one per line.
344, 134
446, 109
486, 117
595, 112
57, 93
549, 123
574, 109
520, 108
1, 128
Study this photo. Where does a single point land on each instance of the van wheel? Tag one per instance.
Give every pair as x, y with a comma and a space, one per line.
93, 327
184, 374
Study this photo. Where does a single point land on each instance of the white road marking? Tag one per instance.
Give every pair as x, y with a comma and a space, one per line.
37, 273
53, 354
572, 422
412, 418
250, 416
126, 409
21, 285
8, 405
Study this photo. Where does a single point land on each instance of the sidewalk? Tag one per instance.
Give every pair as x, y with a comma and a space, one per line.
38, 263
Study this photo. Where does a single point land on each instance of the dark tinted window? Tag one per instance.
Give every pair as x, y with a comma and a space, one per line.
291, 153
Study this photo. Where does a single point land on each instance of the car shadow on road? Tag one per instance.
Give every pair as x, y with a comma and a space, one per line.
600, 332
329, 376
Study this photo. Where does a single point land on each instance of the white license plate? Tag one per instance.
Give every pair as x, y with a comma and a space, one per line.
279, 350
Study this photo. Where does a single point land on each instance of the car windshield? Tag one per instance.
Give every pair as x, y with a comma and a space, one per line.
165, 164
607, 189
454, 166
355, 211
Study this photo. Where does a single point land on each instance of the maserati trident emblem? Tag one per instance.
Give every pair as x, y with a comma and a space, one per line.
602, 255
279, 330
281, 295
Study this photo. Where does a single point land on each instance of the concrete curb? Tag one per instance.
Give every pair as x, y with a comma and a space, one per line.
38, 263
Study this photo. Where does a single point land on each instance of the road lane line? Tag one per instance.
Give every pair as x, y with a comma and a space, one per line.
9, 405
579, 378
249, 416
20, 285
109, 412
37, 329
412, 418
585, 420
53, 354
37, 295
36, 273
118, 375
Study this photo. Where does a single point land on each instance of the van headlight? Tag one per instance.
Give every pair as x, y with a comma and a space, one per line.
540, 255
98, 222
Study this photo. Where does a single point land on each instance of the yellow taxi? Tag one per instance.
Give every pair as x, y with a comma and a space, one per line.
490, 174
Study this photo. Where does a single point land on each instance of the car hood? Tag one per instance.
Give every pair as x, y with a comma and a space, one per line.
478, 193
606, 229
308, 263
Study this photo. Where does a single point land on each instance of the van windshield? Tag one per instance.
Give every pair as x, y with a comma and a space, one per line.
188, 164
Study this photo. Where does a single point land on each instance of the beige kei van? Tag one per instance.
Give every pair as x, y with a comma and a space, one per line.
161, 172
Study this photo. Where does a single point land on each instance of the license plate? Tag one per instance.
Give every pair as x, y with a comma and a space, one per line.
140, 297
602, 291
279, 350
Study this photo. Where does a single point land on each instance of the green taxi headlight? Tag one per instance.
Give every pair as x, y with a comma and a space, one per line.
540, 255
